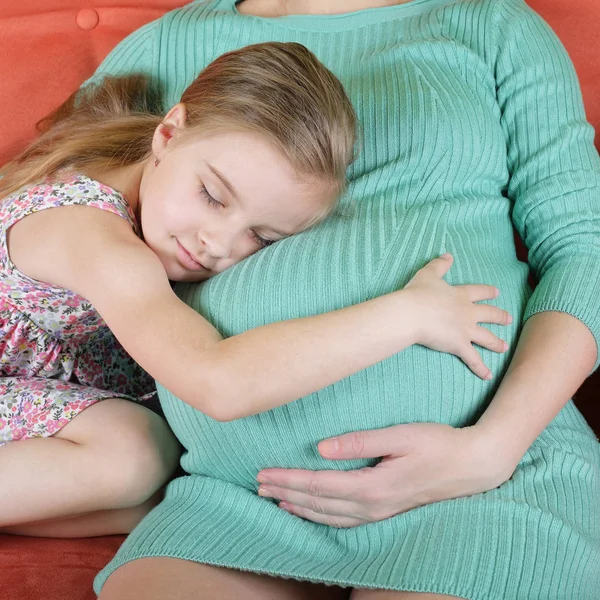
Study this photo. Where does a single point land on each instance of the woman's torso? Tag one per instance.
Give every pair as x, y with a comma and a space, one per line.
431, 177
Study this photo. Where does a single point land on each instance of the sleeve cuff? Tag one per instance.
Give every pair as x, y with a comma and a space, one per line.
573, 287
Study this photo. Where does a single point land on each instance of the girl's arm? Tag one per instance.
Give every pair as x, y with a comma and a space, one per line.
95, 254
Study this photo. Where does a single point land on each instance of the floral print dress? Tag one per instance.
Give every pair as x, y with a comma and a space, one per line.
57, 356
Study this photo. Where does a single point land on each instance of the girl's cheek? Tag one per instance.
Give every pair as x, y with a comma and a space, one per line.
249, 250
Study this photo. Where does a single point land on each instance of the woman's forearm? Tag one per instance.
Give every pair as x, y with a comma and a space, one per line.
555, 353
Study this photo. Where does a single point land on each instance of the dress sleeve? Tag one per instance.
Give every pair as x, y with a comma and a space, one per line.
554, 167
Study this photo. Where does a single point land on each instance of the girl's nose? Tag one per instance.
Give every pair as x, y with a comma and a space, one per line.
218, 245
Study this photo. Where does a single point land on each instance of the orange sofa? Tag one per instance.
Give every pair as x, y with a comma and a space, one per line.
46, 50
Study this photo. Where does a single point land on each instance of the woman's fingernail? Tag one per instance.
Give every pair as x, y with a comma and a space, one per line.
284, 506
261, 478
264, 491
330, 446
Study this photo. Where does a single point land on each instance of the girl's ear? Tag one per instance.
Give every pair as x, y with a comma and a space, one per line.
174, 120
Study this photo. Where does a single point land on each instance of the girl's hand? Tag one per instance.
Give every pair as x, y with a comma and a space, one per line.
447, 316
422, 463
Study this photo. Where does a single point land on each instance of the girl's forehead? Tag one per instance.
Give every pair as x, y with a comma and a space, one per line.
238, 160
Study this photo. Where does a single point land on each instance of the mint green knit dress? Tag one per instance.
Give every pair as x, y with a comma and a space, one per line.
472, 120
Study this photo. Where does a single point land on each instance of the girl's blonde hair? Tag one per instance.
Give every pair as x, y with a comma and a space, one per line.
279, 90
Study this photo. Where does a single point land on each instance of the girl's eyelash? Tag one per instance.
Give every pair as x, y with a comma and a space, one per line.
261, 241
209, 198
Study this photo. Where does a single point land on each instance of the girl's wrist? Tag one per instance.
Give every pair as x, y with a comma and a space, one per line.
413, 319
407, 305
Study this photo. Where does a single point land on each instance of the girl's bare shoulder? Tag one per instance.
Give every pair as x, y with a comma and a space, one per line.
57, 245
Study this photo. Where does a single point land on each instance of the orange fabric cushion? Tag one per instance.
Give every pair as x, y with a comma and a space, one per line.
52, 569
47, 49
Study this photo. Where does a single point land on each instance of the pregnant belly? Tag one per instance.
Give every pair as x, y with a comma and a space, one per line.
343, 262
416, 385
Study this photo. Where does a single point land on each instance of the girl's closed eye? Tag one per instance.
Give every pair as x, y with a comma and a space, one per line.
212, 201
261, 241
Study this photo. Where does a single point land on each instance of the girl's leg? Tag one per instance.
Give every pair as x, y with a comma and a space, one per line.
175, 579
388, 595
102, 522
116, 454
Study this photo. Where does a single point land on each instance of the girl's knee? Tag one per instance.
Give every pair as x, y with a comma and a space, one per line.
146, 456
140, 452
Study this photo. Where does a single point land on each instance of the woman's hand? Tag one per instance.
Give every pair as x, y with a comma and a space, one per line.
422, 463
447, 316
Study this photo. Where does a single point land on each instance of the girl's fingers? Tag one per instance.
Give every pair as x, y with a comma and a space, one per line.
472, 359
486, 339
492, 314
479, 292
441, 265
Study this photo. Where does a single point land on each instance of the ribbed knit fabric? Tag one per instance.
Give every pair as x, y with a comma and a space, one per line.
471, 115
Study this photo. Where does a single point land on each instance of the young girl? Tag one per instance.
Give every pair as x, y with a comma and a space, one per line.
256, 150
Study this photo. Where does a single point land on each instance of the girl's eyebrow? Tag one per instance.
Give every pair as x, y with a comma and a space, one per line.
224, 181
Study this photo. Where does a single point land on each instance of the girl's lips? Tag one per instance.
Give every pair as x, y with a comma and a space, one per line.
187, 260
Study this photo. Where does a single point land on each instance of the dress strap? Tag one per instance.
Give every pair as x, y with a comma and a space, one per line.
70, 190
67, 190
